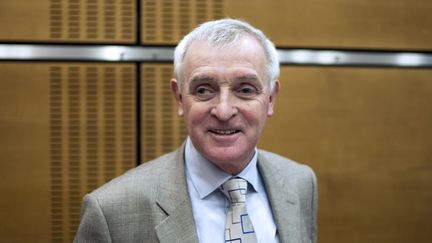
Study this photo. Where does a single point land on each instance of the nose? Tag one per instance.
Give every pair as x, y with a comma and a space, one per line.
225, 108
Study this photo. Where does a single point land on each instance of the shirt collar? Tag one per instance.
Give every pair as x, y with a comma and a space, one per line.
207, 177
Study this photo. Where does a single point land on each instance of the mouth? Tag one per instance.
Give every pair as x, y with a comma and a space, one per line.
224, 132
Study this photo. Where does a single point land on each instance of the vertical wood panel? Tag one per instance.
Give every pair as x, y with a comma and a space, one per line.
66, 129
367, 133
24, 154
95, 21
340, 23
162, 130
167, 21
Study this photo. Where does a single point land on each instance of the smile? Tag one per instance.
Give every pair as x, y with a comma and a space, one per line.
224, 131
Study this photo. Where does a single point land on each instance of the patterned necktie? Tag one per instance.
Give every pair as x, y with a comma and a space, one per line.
238, 227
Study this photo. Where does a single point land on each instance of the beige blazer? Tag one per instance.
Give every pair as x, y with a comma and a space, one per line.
150, 203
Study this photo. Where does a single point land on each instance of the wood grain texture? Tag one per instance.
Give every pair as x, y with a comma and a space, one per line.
367, 134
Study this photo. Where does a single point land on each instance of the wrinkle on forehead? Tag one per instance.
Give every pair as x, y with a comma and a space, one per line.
205, 59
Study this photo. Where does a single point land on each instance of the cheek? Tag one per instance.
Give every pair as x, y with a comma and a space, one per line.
257, 111
194, 114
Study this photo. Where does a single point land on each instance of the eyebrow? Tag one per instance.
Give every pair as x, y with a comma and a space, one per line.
248, 77
202, 79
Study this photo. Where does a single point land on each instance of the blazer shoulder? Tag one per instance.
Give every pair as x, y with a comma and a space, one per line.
282, 163
141, 180
292, 171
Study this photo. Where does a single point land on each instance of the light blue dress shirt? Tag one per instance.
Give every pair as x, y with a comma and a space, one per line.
210, 206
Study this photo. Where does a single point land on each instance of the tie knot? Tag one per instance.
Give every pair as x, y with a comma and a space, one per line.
235, 189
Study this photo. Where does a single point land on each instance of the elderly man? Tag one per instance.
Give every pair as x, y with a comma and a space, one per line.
217, 187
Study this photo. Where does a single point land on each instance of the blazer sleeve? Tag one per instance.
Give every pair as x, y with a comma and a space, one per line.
93, 227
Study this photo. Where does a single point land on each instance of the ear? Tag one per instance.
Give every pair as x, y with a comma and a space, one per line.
272, 98
177, 95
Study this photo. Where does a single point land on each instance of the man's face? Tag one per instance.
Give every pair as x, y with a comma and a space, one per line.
225, 100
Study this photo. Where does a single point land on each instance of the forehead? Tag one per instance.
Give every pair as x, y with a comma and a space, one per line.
244, 57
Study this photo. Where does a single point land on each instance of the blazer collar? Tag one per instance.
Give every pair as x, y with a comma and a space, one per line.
173, 199
179, 225
284, 202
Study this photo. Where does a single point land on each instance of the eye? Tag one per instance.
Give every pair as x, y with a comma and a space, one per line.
204, 92
247, 90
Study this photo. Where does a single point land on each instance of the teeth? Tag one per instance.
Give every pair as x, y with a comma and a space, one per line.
224, 132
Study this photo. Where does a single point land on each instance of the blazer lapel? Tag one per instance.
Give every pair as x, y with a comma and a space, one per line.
173, 199
284, 203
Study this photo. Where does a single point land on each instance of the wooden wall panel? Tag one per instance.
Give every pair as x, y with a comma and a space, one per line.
66, 128
94, 21
340, 23
162, 130
167, 21
395, 24
24, 154
367, 134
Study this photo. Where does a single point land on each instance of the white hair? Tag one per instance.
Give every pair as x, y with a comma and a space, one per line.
224, 32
